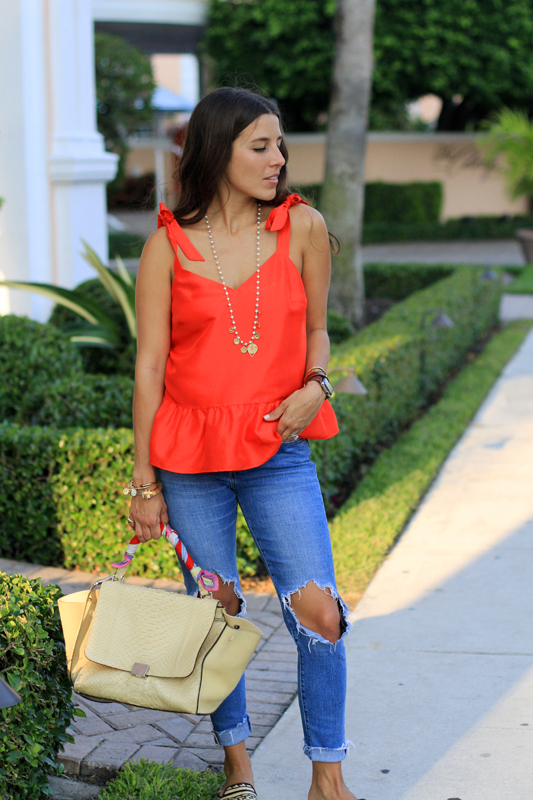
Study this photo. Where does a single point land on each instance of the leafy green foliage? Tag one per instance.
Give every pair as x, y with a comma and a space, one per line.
474, 54
286, 49
398, 281
468, 229
405, 203
387, 360
29, 354
146, 780
106, 361
97, 327
124, 88
375, 514
33, 662
511, 136
339, 327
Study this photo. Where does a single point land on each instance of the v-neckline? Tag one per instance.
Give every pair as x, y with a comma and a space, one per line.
219, 283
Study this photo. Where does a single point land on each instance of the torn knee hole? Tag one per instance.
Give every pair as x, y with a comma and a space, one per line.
319, 611
228, 596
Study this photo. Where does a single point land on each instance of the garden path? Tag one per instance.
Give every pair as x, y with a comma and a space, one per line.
440, 658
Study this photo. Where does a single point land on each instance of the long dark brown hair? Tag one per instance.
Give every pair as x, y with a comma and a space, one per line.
215, 123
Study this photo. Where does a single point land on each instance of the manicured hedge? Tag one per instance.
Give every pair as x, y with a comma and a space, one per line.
523, 283
33, 663
465, 229
378, 509
405, 203
61, 498
29, 354
147, 780
398, 281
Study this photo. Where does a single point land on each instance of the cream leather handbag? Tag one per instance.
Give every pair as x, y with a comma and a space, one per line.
153, 648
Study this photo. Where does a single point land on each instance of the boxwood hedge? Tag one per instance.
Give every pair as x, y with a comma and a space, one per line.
34, 665
61, 500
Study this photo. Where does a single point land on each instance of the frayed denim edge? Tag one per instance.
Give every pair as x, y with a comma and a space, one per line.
237, 590
328, 754
234, 735
316, 638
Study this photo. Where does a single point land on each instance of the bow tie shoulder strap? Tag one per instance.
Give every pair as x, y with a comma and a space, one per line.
279, 216
176, 234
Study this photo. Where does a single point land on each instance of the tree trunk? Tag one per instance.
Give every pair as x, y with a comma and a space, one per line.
343, 192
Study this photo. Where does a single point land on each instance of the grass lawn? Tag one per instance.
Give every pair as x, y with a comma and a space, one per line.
523, 284
375, 514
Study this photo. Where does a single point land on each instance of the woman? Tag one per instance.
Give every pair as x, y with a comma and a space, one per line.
230, 384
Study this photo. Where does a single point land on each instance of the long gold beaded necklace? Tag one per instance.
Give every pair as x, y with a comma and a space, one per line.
249, 347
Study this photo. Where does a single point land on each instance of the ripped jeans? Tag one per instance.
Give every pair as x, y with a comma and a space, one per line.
283, 507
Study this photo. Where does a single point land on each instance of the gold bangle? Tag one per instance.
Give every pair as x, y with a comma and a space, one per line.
313, 369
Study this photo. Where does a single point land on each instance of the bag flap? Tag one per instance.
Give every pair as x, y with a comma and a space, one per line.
138, 625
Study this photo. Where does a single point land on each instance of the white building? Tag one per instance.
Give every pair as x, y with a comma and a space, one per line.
53, 165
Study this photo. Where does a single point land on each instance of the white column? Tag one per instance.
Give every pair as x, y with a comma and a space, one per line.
79, 167
24, 218
53, 166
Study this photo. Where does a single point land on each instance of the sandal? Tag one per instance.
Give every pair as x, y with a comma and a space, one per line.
239, 791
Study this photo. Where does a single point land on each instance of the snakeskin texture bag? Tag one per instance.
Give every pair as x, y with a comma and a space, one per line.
153, 648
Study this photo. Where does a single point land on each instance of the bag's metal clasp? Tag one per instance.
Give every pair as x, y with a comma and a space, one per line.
140, 670
103, 580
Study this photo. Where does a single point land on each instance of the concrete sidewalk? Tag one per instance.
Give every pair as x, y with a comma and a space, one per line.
440, 679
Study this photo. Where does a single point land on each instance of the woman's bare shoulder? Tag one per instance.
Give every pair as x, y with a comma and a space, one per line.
308, 225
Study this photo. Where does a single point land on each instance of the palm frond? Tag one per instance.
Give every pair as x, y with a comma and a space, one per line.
117, 287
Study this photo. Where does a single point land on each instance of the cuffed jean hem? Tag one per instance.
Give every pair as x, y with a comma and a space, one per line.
234, 735
325, 754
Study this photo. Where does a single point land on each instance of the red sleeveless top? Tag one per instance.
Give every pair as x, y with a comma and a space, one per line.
211, 416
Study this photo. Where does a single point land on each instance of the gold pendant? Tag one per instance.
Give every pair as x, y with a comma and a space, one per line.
236, 340
252, 349
243, 349
257, 335
232, 330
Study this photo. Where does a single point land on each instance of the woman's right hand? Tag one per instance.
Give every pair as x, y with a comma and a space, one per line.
146, 516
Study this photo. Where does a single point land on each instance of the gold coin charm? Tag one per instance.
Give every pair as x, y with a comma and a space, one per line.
243, 349
236, 340
257, 335
252, 349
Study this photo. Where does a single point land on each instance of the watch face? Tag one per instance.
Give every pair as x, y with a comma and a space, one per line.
327, 386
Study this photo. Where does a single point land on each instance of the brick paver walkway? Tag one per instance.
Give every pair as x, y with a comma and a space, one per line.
113, 733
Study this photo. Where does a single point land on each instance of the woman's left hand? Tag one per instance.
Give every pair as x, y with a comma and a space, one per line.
297, 410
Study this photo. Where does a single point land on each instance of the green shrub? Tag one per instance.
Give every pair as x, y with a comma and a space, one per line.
84, 401
405, 203
386, 357
339, 328
398, 281
31, 354
33, 662
146, 780
378, 509
466, 228
61, 486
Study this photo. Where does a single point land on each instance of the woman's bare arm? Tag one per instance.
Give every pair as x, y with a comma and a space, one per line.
310, 236
153, 303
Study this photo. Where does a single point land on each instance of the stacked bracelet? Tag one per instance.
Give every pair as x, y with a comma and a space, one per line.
144, 489
313, 374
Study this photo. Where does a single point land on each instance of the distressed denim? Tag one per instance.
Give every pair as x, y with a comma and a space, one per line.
283, 507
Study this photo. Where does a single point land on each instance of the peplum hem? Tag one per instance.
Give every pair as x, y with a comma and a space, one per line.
223, 438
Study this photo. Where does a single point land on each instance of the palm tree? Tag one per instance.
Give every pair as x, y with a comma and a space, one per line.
343, 192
